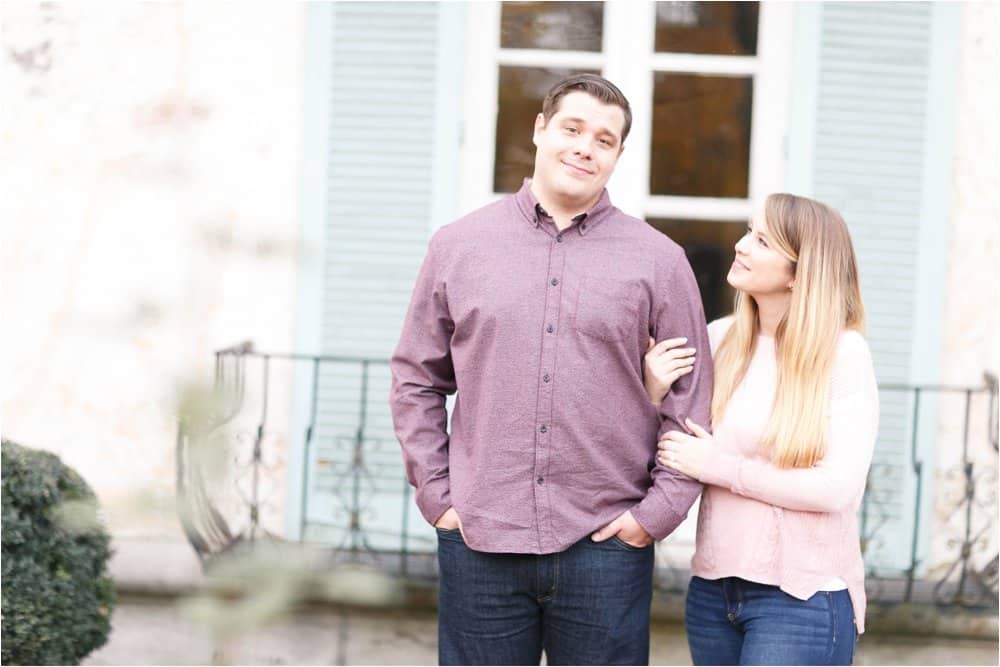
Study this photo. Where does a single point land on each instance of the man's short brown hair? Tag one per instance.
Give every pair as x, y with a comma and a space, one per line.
595, 86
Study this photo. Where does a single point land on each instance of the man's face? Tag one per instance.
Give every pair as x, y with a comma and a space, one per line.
578, 148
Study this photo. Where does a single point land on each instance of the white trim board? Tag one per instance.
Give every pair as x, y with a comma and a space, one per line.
318, 72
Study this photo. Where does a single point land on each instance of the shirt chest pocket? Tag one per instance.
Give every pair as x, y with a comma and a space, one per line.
607, 309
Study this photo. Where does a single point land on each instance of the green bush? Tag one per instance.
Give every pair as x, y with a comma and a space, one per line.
57, 597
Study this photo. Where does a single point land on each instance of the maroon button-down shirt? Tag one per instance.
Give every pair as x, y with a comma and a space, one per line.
542, 334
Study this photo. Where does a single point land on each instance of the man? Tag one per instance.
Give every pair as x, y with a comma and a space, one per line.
546, 496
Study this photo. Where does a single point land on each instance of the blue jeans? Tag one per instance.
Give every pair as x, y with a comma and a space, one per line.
733, 621
587, 605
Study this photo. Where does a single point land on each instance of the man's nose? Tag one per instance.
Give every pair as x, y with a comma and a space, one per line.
582, 146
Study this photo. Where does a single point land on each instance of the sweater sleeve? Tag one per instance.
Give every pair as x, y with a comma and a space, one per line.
422, 377
837, 480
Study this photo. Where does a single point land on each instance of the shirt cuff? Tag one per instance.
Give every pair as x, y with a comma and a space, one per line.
723, 469
656, 518
434, 499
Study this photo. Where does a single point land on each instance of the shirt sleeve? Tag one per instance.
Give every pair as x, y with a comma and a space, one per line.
422, 377
835, 482
677, 311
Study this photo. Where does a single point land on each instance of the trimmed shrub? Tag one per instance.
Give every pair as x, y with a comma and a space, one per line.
57, 597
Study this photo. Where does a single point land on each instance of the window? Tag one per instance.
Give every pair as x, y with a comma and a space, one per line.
708, 84
571, 26
722, 28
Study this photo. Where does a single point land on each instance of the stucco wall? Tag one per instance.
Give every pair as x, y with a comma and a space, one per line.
152, 170
972, 293
973, 288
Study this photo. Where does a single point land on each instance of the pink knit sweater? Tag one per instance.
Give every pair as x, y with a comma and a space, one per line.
792, 528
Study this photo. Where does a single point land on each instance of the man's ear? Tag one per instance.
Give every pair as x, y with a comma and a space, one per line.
539, 126
621, 150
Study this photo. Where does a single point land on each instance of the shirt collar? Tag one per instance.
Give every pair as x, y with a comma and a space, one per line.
584, 223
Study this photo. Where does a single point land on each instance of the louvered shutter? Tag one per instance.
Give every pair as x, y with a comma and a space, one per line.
870, 131
381, 185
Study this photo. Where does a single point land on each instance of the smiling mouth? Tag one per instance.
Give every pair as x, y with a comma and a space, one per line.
578, 170
741, 265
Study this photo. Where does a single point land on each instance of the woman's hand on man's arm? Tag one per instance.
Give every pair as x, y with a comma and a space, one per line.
663, 364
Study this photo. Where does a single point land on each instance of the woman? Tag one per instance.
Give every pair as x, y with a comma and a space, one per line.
777, 575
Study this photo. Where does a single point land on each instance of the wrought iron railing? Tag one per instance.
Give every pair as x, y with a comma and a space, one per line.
360, 466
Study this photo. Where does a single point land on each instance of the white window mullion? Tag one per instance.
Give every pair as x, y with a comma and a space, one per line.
693, 63
545, 58
629, 36
698, 208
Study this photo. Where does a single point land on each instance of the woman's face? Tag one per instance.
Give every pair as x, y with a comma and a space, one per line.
759, 269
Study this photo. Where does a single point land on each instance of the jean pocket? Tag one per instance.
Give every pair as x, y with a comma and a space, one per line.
619, 542
450, 534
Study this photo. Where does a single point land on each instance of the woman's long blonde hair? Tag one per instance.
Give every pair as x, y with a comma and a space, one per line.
826, 300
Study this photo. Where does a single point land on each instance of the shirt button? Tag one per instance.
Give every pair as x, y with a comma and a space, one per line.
555, 281
544, 429
550, 328
541, 480
559, 238
545, 377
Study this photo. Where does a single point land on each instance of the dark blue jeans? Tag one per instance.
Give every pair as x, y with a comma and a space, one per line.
588, 605
733, 621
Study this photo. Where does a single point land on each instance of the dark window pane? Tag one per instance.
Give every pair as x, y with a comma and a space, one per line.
709, 246
721, 28
701, 135
519, 100
573, 26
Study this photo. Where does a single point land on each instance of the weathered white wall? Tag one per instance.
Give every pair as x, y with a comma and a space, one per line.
151, 164
972, 291
973, 288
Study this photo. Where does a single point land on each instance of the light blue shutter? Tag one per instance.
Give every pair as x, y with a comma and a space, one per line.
383, 97
869, 159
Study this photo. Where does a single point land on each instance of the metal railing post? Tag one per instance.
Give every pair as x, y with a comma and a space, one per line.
357, 460
307, 453
257, 456
918, 469
967, 498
